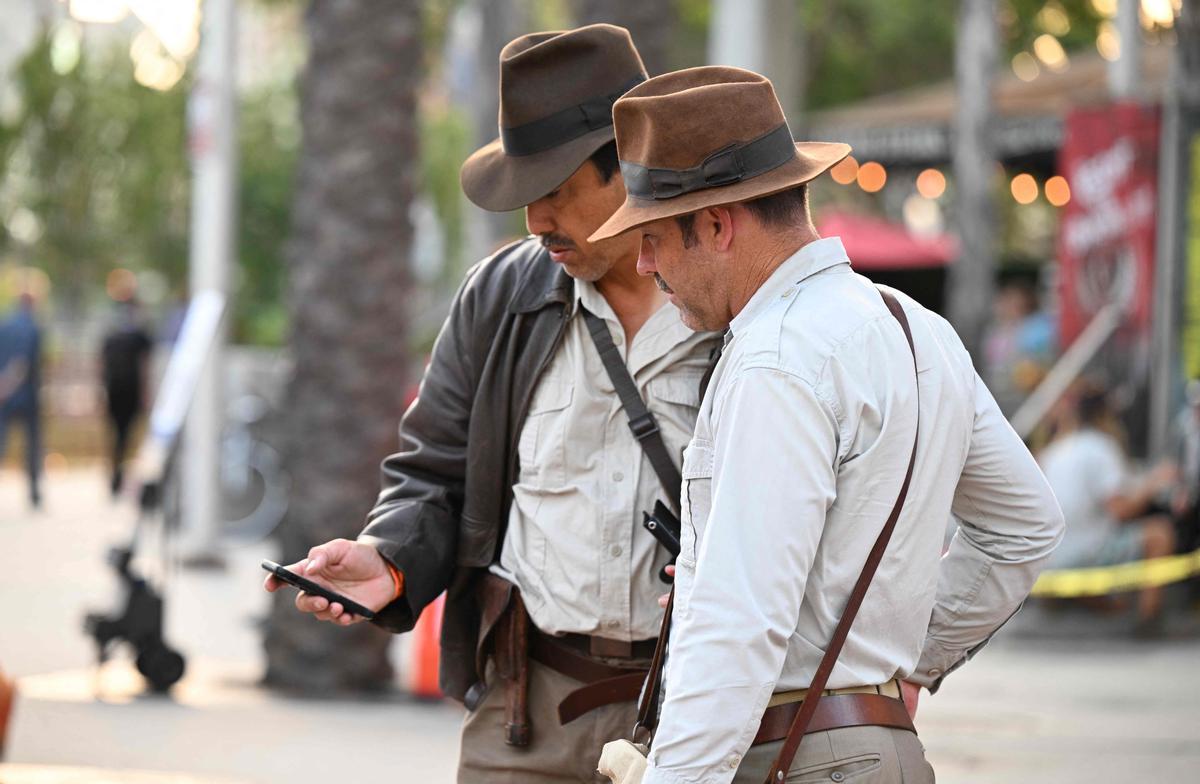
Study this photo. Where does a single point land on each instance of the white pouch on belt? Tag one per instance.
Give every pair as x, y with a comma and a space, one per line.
623, 761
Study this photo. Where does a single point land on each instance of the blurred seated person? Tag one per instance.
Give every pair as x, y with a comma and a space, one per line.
1108, 510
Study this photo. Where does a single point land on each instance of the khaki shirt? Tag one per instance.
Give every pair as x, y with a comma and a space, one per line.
801, 446
575, 545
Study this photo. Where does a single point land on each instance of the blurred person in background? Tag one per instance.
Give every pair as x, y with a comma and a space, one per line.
123, 357
520, 485
20, 380
1110, 512
1018, 346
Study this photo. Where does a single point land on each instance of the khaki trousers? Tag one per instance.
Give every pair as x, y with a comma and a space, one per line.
556, 754
862, 755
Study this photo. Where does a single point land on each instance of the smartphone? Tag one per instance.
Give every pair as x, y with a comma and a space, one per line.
309, 587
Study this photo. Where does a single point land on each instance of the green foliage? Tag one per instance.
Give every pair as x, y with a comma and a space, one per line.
98, 160
268, 144
1021, 24
860, 48
101, 163
445, 143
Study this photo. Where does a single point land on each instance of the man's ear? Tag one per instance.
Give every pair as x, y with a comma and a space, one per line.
718, 226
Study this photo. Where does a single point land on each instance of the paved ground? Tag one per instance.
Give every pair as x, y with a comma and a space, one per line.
1058, 698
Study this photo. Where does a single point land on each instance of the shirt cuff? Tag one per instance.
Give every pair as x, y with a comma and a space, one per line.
936, 662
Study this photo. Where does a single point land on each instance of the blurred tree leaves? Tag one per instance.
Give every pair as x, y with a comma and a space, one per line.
98, 163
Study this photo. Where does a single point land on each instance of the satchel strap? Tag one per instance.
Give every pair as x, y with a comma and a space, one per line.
783, 763
641, 421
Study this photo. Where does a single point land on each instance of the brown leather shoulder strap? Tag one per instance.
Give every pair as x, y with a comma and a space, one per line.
783, 763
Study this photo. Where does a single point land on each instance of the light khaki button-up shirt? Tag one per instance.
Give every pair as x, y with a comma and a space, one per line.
575, 545
801, 446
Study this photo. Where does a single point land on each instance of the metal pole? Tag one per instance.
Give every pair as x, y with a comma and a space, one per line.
738, 34
1123, 72
972, 278
212, 144
765, 36
1168, 261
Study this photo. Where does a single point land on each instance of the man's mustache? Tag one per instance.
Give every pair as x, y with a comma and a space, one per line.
662, 284
556, 241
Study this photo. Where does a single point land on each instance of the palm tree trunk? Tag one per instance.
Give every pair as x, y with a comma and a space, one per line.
349, 283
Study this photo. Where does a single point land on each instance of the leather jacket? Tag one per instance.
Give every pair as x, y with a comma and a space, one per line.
441, 514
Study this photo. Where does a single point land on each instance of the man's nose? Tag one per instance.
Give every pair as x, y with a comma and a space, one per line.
645, 264
539, 218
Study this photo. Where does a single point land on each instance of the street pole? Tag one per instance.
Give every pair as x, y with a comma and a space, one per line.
212, 143
972, 278
1181, 107
1123, 72
765, 36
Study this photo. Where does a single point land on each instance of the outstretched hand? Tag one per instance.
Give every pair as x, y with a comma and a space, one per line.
353, 569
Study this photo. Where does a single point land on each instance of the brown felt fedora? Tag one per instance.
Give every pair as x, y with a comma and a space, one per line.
702, 137
557, 91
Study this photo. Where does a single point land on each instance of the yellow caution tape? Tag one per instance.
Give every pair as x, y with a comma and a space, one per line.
1131, 576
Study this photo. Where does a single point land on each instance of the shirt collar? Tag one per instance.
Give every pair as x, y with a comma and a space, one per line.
809, 260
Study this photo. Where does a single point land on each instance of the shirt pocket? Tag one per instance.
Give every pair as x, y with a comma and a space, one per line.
541, 449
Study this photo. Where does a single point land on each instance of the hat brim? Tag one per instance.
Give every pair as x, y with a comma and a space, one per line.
500, 182
811, 160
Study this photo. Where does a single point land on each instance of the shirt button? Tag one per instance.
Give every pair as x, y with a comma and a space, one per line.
618, 476
613, 624
615, 551
733, 761
837, 775
934, 673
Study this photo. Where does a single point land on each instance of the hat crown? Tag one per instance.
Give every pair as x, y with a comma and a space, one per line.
544, 73
678, 120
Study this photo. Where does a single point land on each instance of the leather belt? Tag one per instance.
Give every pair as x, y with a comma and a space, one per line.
836, 711
606, 684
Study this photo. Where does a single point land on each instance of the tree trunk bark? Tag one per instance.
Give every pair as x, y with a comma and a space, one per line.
650, 22
349, 283
972, 278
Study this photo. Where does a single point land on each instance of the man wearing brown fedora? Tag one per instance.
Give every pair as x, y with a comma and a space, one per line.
806, 482
553, 413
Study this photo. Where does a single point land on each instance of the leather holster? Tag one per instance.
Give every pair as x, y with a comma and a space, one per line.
504, 635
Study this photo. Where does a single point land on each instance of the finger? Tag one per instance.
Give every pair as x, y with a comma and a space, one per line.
662, 600
311, 604
271, 583
316, 561
671, 569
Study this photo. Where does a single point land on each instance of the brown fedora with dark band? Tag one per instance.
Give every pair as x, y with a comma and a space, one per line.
557, 90
702, 137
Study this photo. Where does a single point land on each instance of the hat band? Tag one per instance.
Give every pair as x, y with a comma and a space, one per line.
726, 166
564, 125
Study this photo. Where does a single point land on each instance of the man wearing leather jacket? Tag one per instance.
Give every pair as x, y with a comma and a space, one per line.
521, 478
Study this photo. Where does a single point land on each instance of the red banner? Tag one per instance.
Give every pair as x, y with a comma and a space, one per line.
1106, 236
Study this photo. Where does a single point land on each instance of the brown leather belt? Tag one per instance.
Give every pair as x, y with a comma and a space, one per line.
607, 684
836, 711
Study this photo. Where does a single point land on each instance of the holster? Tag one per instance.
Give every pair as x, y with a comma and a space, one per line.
504, 633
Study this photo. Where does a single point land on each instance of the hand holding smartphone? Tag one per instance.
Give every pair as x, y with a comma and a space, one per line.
315, 589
